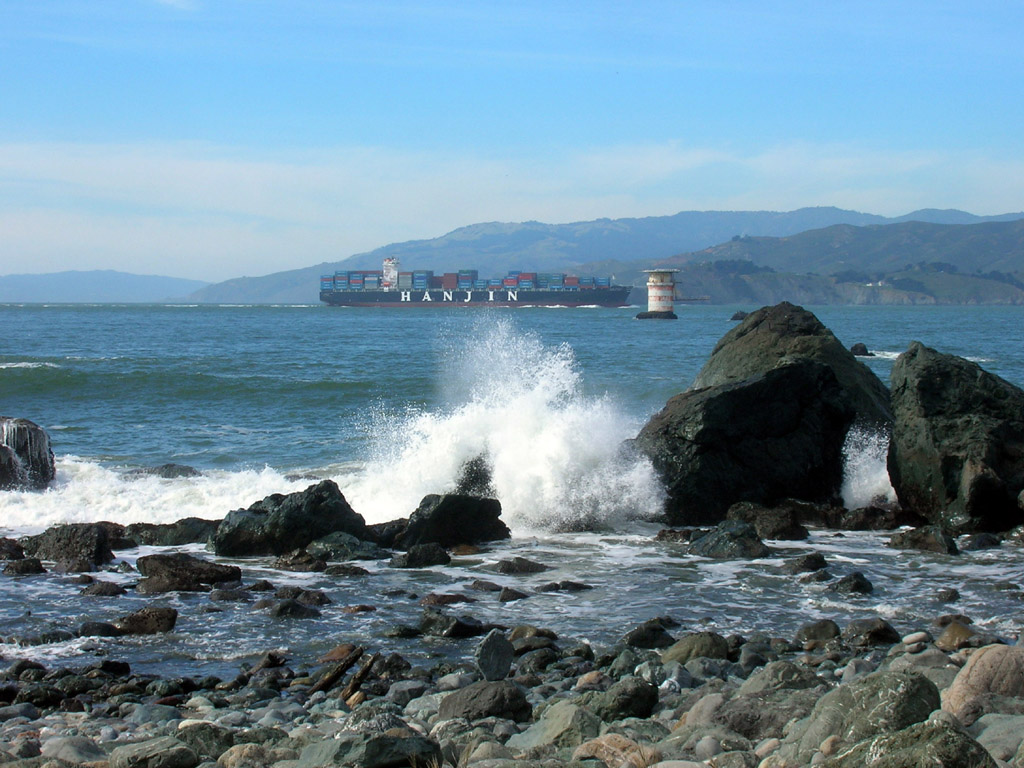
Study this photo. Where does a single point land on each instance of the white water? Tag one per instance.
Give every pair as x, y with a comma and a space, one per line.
555, 454
865, 476
85, 491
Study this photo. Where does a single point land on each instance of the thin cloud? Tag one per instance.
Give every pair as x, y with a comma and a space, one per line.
213, 212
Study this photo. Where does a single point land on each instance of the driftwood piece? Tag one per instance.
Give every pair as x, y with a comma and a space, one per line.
358, 678
333, 675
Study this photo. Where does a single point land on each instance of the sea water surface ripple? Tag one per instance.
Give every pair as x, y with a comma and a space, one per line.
390, 404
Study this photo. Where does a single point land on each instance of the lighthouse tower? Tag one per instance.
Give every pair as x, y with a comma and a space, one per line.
661, 291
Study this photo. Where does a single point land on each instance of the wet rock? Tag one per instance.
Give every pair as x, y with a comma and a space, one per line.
421, 556
150, 620
180, 572
697, 645
929, 743
860, 349
283, 523
809, 563
503, 699
169, 471
629, 697
164, 752
775, 435
991, 673
494, 655
780, 522
344, 546
27, 566
208, 740
77, 541
300, 561
345, 569
955, 635
855, 583
783, 332
954, 457
880, 703
188, 530
434, 622
864, 633
73, 749
927, 538
11, 550
818, 632
98, 629
367, 749
292, 609
26, 460
454, 519
561, 725
730, 540
520, 565
651, 634
780, 675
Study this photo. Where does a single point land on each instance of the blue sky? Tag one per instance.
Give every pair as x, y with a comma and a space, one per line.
217, 138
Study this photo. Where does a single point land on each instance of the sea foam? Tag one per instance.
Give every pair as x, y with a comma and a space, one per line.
86, 491
556, 455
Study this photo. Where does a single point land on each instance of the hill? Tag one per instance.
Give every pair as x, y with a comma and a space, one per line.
622, 247
96, 286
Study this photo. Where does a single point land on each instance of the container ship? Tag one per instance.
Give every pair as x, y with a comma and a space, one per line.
391, 287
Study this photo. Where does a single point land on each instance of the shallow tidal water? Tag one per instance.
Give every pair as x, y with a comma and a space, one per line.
390, 405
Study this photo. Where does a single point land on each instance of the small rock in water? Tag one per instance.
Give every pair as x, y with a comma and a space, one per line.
854, 584
520, 565
421, 556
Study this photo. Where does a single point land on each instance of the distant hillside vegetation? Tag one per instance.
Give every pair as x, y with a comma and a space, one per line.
905, 263
619, 247
94, 287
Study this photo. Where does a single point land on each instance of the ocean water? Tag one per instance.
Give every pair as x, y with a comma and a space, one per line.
391, 404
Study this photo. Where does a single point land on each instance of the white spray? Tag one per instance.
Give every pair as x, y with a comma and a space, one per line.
865, 476
555, 455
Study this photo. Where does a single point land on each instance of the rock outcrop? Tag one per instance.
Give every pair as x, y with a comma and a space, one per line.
454, 519
956, 457
75, 543
772, 335
26, 460
179, 572
283, 523
776, 435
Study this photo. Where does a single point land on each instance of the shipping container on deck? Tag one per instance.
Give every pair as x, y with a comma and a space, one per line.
436, 282
602, 282
449, 281
526, 284
470, 274
510, 282
405, 280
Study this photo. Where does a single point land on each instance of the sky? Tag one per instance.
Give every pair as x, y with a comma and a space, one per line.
211, 139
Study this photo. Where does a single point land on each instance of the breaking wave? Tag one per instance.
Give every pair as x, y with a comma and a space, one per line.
865, 475
556, 457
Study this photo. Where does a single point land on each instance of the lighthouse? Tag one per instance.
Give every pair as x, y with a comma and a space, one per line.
661, 291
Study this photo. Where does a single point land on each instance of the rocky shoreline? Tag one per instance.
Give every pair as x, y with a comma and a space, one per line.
941, 695
753, 451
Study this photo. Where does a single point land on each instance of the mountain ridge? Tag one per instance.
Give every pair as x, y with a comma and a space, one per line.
496, 247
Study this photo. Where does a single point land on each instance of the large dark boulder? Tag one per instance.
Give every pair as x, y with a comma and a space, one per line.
26, 461
454, 519
771, 335
282, 523
776, 435
179, 572
73, 543
956, 456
